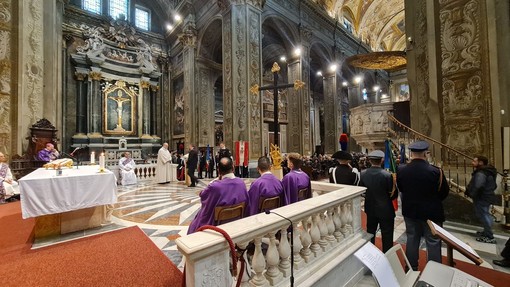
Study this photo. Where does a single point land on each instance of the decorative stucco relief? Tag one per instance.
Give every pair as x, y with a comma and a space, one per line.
227, 80
254, 78
240, 98
422, 70
33, 64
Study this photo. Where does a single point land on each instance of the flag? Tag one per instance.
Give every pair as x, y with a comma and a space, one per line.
207, 158
391, 166
241, 149
403, 159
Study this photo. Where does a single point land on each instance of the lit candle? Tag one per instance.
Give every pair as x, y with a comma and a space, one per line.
93, 157
101, 161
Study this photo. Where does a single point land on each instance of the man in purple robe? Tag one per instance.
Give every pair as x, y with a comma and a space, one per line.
295, 180
267, 185
48, 153
226, 190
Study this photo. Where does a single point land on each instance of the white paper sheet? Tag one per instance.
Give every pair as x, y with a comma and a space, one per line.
375, 260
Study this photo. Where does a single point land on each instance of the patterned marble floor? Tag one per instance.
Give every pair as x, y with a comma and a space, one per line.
164, 212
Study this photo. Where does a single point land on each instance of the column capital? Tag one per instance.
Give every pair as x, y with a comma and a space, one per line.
154, 88
225, 4
145, 84
80, 76
95, 75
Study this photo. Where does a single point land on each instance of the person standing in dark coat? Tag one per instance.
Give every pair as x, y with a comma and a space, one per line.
192, 165
505, 253
481, 190
343, 173
378, 199
224, 152
423, 188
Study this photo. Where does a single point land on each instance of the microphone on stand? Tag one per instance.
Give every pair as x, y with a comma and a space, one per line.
267, 211
72, 153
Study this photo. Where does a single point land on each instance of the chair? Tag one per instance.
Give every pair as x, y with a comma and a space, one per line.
268, 203
303, 194
396, 261
224, 214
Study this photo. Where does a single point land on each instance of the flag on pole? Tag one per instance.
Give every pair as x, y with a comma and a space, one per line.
391, 166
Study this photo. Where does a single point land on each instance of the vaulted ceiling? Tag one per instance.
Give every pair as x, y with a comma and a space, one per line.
379, 23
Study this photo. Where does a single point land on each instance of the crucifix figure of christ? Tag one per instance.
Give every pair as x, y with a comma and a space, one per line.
119, 99
275, 87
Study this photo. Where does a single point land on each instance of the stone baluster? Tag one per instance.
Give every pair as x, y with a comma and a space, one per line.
306, 240
323, 230
259, 265
349, 217
338, 224
298, 260
245, 279
331, 227
315, 234
343, 218
273, 274
284, 250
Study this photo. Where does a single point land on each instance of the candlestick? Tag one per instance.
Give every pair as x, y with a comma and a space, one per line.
101, 161
93, 157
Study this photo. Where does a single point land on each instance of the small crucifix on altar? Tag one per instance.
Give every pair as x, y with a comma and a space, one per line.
255, 89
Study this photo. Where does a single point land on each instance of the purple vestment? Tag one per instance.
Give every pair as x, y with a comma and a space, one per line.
292, 183
267, 185
227, 191
44, 155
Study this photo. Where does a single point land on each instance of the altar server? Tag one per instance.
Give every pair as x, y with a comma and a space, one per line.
127, 169
267, 185
8, 186
295, 180
227, 190
163, 165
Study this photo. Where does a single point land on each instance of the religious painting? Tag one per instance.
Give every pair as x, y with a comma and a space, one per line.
403, 92
119, 116
178, 87
218, 134
268, 106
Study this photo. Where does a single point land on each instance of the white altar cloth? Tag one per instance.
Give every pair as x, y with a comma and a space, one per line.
43, 192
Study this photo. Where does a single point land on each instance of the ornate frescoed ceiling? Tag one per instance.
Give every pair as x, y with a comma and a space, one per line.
379, 23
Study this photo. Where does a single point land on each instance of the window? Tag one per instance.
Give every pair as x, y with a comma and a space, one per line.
347, 25
142, 18
118, 7
93, 6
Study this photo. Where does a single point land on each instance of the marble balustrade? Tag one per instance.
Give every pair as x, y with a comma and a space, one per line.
327, 230
142, 171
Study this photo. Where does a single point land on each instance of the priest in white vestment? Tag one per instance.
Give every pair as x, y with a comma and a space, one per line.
164, 165
127, 169
8, 186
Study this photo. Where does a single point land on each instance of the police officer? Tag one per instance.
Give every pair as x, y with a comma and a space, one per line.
423, 187
378, 206
343, 173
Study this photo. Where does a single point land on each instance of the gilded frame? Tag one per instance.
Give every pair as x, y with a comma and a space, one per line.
113, 96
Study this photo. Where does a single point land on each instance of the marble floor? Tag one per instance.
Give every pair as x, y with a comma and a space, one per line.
164, 211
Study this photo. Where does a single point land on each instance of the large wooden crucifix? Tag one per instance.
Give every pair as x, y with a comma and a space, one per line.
298, 84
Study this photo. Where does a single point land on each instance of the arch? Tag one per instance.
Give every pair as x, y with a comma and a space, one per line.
209, 44
279, 38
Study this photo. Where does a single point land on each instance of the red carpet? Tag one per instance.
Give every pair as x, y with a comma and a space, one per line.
120, 258
490, 276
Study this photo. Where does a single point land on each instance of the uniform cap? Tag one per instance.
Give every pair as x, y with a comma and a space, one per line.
419, 146
376, 154
342, 155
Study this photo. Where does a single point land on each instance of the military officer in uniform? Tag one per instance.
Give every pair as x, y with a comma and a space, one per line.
344, 173
423, 187
378, 206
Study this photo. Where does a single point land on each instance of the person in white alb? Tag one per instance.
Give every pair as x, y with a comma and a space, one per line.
127, 169
8, 186
163, 166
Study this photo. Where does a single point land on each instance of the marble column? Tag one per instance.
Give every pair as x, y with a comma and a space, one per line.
8, 132
154, 110
146, 109
95, 104
205, 90
331, 101
81, 105
242, 56
188, 39
294, 108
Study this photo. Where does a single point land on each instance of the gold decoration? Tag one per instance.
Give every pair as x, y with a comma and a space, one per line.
391, 60
154, 88
298, 84
80, 76
275, 68
120, 83
276, 156
254, 89
59, 163
95, 76
144, 84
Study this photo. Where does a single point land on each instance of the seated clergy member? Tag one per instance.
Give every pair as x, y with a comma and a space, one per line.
267, 185
8, 187
48, 153
295, 180
227, 190
127, 169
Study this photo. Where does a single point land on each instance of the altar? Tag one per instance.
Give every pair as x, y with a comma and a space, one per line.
75, 200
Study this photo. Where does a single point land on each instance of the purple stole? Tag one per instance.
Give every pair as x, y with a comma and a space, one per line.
127, 160
3, 174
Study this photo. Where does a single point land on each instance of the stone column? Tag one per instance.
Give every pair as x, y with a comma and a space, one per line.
188, 39
81, 105
205, 90
8, 132
294, 108
242, 56
154, 110
146, 108
95, 104
331, 101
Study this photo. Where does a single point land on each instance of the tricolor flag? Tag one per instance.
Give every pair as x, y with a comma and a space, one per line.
241, 153
391, 166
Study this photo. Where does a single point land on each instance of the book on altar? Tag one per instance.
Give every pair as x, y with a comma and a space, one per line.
59, 163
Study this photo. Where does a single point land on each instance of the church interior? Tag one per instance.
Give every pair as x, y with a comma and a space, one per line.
102, 78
